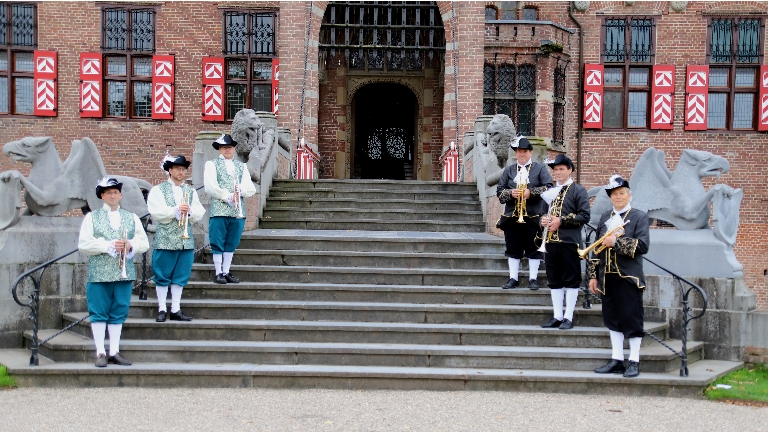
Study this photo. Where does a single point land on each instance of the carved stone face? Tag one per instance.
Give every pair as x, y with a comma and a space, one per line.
244, 130
27, 149
499, 134
706, 163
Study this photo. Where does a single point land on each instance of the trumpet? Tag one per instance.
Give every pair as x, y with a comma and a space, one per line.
184, 221
598, 245
238, 206
123, 255
545, 234
521, 206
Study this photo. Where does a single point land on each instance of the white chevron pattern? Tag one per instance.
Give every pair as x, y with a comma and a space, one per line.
212, 99
764, 110
663, 78
695, 109
697, 79
91, 67
45, 64
163, 69
44, 95
91, 91
162, 98
594, 77
213, 70
593, 104
662, 108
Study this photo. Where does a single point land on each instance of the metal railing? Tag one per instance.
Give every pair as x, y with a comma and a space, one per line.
686, 308
34, 296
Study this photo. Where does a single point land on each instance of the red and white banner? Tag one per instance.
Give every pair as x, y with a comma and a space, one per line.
663, 96
213, 88
90, 85
275, 83
46, 66
696, 89
762, 123
305, 162
450, 162
163, 71
593, 96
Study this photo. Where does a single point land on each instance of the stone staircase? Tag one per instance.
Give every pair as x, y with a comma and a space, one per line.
375, 284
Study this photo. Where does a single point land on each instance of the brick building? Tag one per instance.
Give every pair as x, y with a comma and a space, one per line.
145, 77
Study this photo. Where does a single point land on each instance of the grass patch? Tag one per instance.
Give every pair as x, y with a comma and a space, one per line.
746, 384
6, 381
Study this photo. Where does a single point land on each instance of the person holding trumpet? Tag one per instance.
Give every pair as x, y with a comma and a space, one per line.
111, 237
174, 206
519, 190
616, 271
227, 182
568, 212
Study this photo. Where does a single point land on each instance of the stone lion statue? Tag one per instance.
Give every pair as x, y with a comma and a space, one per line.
254, 141
495, 150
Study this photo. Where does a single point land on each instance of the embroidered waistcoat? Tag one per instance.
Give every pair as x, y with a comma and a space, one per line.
104, 267
168, 236
226, 181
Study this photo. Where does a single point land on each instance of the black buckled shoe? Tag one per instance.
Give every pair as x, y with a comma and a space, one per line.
179, 316
511, 283
533, 284
566, 325
633, 369
161, 316
119, 360
613, 366
552, 323
230, 278
219, 279
101, 360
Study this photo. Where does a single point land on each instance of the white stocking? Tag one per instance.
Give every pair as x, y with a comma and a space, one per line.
217, 263
162, 296
99, 330
176, 298
571, 295
114, 338
617, 343
557, 302
227, 261
634, 349
514, 267
533, 266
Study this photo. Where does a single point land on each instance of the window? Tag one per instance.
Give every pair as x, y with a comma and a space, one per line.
249, 46
628, 55
530, 14
491, 13
18, 39
511, 89
558, 108
127, 43
734, 55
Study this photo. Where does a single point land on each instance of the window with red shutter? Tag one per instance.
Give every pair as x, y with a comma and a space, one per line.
593, 96
213, 88
163, 71
663, 97
90, 85
696, 79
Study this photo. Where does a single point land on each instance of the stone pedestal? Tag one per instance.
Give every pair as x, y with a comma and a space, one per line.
691, 253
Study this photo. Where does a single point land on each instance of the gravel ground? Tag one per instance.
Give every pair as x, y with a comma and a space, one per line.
140, 409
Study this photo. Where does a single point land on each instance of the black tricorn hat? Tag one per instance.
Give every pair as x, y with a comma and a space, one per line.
615, 182
521, 143
107, 183
169, 161
224, 140
562, 159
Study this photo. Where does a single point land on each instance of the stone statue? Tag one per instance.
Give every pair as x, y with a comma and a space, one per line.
679, 197
55, 187
494, 147
254, 141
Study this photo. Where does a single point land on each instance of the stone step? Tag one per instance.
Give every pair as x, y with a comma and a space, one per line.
364, 332
373, 241
71, 347
395, 185
372, 225
269, 291
364, 275
399, 214
326, 203
249, 375
371, 194
369, 312
370, 259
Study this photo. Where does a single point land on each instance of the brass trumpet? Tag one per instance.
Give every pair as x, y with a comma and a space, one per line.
123, 255
619, 231
184, 221
238, 204
521, 206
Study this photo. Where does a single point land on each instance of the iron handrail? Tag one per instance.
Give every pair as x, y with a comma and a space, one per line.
34, 296
686, 309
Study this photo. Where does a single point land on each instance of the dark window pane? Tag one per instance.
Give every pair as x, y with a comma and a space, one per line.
743, 106
638, 77
716, 110
142, 99
142, 30
720, 50
23, 20
489, 79
745, 77
558, 124
530, 14
236, 33
504, 107
638, 104
718, 77
488, 107
614, 76
263, 34
4, 94
23, 62
24, 95
3, 26
490, 14
560, 82
614, 40
142, 66
115, 28
749, 41
613, 110
641, 40
525, 117
235, 99
506, 79
3, 60
526, 80
262, 70
236, 69
116, 98
262, 98
116, 65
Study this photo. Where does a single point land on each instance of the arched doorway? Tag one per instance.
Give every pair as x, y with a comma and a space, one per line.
384, 124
